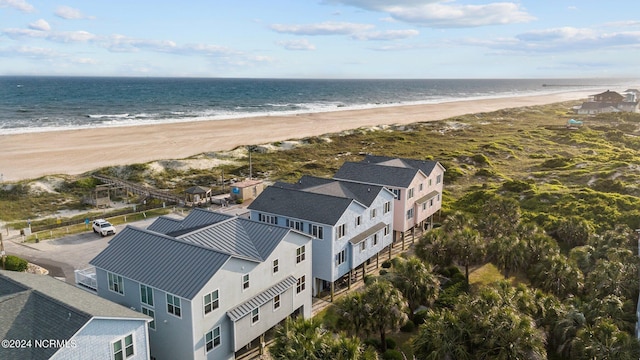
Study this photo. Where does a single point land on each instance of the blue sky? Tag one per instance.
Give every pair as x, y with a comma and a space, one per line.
321, 38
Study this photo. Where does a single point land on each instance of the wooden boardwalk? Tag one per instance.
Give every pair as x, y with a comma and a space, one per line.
140, 190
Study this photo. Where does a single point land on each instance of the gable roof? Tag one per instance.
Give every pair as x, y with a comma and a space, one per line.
160, 261
196, 219
240, 237
373, 173
426, 166
363, 193
41, 307
299, 204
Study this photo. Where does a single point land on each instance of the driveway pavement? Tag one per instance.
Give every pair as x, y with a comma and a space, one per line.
62, 256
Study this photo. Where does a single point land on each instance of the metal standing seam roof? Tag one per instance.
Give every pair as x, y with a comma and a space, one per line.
197, 218
175, 266
363, 193
365, 234
318, 208
425, 198
262, 298
240, 237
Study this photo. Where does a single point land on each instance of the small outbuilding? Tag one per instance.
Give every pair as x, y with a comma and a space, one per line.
247, 189
197, 195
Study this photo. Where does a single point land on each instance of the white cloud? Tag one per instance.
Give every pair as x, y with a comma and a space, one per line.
41, 25
562, 40
29, 52
386, 35
70, 13
445, 13
325, 28
303, 44
18, 5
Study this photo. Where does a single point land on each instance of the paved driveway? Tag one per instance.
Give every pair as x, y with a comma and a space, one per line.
62, 256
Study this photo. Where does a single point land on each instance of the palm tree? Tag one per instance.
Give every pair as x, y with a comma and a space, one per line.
508, 253
386, 309
467, 248
558, 275
502, 215
612, 277
443, 336
433, 248
565, 331
604, 340
574, 231
417, 282
457, 221
301, 339
353, 311
584, 257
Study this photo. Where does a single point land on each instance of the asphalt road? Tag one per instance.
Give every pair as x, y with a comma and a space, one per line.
62, 256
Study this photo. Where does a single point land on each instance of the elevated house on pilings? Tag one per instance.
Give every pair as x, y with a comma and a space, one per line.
416, 184
350, 223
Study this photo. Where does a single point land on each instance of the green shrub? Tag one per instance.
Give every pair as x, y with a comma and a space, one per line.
420, 317
391, 344
485, 173
386, 264
373, 342
516, 186
392, 354
383, 272
409, 326
556, 162
480, 159
15, 263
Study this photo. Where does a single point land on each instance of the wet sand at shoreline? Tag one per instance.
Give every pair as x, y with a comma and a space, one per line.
32, 155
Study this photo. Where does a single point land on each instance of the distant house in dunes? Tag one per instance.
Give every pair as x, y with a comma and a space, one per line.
610, 101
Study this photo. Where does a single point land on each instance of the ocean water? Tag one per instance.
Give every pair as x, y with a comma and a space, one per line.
40, 104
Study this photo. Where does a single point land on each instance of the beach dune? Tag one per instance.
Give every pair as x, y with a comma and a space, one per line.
32, 155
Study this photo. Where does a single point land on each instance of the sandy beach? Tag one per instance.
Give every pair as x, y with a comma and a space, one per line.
29, 156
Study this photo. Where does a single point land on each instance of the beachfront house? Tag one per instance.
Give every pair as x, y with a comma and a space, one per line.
45, 318
610, 101
416, 184
350, 222
213, 283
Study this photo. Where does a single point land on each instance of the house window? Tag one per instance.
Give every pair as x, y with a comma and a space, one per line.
375, 239
373, 213
358, 221
245, 281
276, 302
300, 284
421, 187
409, 214
387, 230
424, 205
387, 207
410, 193
115, 283
173, 305
430, 182
276, 265
212, 339
152, 314
438, 197
211, 301
397, 193
269, 219
123, 348
300, 254
363, 245
341, 230
316, 231
341, 257
431, 202
255, 315
438, 179
146, 295
294, 224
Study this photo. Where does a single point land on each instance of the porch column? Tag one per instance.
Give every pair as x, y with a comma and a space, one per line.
349, 280
332, 290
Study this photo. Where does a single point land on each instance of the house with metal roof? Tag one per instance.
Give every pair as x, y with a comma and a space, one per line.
212, 283
350, 222
45, 318
417, 185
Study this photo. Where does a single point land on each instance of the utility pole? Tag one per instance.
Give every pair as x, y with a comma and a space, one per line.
250, 164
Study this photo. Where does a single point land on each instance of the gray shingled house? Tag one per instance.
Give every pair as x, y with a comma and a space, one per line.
45, 318
350, 222
212, 282
417, 185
